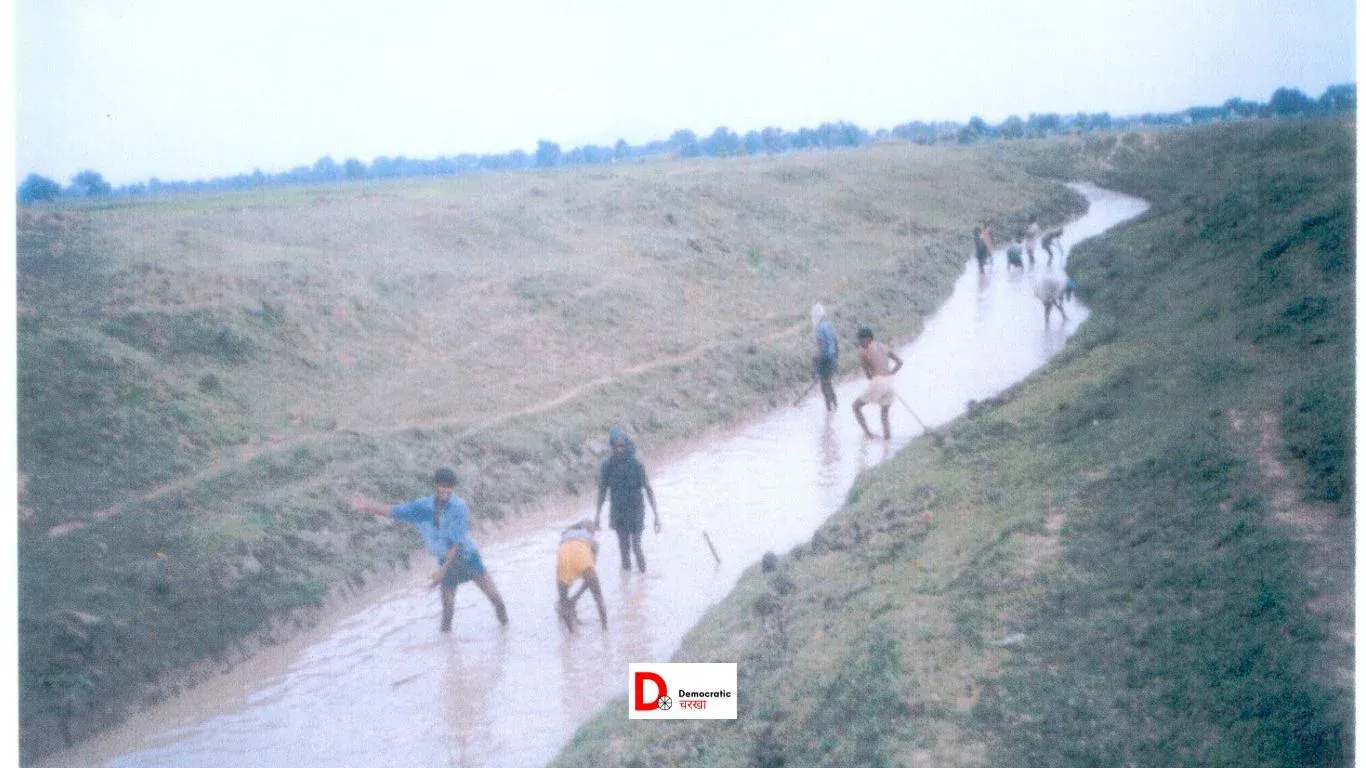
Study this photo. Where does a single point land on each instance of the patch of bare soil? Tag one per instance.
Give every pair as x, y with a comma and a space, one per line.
1328, 536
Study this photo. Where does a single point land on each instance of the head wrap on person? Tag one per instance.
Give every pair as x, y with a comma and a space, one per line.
628, 445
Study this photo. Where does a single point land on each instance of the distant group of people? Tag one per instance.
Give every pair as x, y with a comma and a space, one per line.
1021, 246
443, 520
1051, 290
878, 361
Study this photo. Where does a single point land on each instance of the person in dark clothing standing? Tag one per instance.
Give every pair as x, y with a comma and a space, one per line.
826, 360
981, 239
624, 475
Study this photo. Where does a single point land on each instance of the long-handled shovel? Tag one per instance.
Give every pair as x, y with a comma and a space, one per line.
923, 425
712, 547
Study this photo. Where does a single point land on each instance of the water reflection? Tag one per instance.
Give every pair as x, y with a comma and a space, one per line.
383, 688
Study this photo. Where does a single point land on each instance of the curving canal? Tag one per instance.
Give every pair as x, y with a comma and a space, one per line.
380, 686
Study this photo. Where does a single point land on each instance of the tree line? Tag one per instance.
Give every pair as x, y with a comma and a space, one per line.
722, 142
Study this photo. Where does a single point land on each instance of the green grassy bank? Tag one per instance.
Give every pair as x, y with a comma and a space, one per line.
1141, 555
205, 379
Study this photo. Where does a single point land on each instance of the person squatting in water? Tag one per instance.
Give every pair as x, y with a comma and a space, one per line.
576, 561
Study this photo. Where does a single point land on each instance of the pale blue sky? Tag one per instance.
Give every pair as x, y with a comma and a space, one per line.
184, 90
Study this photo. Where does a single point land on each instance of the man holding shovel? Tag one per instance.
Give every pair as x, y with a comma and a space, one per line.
875, 358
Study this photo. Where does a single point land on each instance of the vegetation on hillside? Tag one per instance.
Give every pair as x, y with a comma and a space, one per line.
1142, 555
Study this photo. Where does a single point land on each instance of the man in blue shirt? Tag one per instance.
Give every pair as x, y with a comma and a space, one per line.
826, 360
443, 519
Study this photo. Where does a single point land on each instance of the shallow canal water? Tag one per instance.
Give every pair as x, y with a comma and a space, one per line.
379, 685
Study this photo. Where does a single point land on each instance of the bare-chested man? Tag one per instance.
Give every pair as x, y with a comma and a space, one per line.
874, 357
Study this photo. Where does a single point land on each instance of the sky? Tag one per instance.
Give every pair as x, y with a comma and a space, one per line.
177, 90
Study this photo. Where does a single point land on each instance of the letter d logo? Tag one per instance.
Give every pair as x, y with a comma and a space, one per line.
660, 686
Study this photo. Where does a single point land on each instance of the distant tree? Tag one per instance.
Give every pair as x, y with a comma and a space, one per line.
1236, 107
383, 167
774, 140
1339, 98
722, 143
754, 143
1286, 102
1012, 128
518, 159
1043, 125
621, 151
547, 154
1100, 121
805, 137
684, 142
1206, 114
841, 134
304, 173
596, 155
465, 162
326, 169
978, 128
917, 131
37, 188
353, 168
90, 184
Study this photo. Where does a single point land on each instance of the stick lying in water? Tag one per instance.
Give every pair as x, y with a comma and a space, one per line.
711, 547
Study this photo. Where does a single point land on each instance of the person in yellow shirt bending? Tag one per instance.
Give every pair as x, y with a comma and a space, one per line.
576, 560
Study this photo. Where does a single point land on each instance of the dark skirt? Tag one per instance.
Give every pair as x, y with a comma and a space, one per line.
628, 520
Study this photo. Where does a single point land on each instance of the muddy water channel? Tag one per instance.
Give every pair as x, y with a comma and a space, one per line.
380, 686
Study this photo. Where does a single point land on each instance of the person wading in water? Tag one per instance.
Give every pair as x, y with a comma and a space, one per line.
443, 519
1031, 235
981, 238
873, 356
826, 361
624, 475
1051, 238
576, 560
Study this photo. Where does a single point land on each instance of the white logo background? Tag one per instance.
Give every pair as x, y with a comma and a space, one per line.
686, 677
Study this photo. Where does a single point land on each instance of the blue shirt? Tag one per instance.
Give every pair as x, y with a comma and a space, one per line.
825, 337
454, 527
